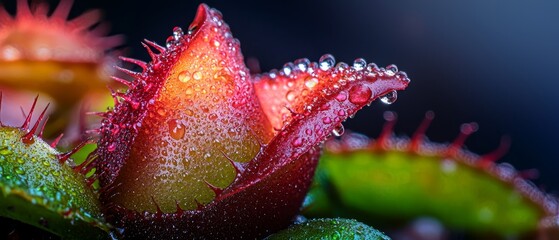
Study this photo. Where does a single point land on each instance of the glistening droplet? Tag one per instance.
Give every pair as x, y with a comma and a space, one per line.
297, 142
390, 97
286, 69
391, 70
360, 94
176, 129
359, 64
184, 76
302, 64
338, 130
311, 82
326, 62
177, 33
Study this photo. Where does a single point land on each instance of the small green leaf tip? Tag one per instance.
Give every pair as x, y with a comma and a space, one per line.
39, 187
330, 228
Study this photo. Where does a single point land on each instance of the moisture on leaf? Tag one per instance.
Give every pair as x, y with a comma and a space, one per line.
392, 179
335, 228
39, 186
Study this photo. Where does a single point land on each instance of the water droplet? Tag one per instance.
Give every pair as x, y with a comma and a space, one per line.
360, 94
212, 117
341, 113
286, 69
391, 70
326, 62
359, 64
326, 120
111, 147
184, 76
197, 75
5, 151
302, 64
290, 96
338, 131
176, 129
170, 41
342, 66
297, 142
341, 96
216, 43
177, 33
390, 97
311, 82
403, 76
372, 67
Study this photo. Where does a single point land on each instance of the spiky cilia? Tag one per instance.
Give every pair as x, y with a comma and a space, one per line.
389, 179
41, 187
197, 147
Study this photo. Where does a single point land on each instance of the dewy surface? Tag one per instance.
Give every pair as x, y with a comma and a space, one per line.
205, 113
37, 188
197, 145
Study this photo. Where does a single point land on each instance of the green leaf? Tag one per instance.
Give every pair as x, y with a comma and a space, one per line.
337, 228
396, 183
37, 189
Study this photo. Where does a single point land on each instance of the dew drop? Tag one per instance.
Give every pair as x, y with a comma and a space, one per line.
5, 151
170, 41
177, 33
197, 75
403, 76
342, 66
326, 120
176, 129
341, 113
111, 147
390, 97
297, 142
311, 82
216, 43
302, 64
341, 97
212, 117
360, 94
286, 69
184, 76
290, 96
359, 64
391, 70
338, 131
326, 62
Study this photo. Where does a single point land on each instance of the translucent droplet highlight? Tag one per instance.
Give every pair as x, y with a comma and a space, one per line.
390, 97
176, 129
326, 62
359, 64
338, 131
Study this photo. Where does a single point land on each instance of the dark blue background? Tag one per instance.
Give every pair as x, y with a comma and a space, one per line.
493, 62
